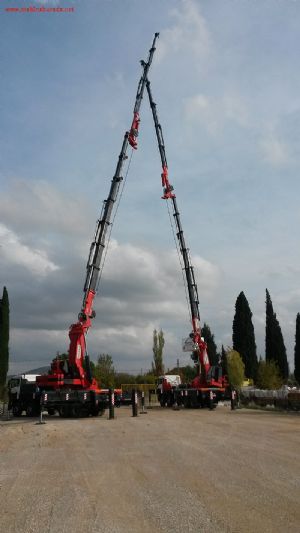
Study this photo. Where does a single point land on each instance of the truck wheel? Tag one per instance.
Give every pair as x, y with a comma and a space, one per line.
51, 411
76, 411
64, 411
30, 410
17, 410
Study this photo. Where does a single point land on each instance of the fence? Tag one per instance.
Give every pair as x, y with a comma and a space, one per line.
148, 389
4, 412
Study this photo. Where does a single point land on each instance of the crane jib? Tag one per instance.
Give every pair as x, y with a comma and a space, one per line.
168, 194
96, 256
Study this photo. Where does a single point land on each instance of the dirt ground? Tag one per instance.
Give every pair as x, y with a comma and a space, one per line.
168, 471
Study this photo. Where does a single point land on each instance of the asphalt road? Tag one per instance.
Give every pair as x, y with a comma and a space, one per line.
165, 471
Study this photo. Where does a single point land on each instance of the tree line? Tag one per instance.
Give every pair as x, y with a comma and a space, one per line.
268, 373
240, 361
272, 371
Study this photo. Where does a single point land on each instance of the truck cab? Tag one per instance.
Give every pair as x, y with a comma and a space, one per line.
24, 395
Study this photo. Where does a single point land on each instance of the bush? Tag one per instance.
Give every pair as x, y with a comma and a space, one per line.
268, 375
235, 369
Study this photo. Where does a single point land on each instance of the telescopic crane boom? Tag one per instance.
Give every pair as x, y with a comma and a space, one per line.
76, 375
199, 354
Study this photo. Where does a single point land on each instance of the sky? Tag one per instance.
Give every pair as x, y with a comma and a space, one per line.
226, 80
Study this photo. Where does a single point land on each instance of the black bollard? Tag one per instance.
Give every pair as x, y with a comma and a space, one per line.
111, 404
134, 402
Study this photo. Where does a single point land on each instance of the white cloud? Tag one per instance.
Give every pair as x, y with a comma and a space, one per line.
274, 151
189, 33
158, 272
141, 289
36, 204
14, 252
213, 112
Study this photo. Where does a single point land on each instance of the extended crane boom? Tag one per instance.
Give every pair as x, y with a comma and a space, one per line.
76, 376
200, 349
134, 130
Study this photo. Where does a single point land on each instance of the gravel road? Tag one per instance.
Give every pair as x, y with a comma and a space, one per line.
165, 471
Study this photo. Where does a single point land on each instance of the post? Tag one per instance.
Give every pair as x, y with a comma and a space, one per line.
134, 402
143, 411
175, 405
232, 401
111, 400
211, 400
43, 399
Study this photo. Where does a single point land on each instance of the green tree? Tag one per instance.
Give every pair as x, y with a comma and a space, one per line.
268, 375
187, 373
122, 378
158, 347
297, 350
224, 361
104, 371
243, 337
211, 345
275, 348
4, 337
235, 369
147, 378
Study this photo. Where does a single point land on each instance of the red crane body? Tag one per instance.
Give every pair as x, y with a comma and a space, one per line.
75, 373
208, 376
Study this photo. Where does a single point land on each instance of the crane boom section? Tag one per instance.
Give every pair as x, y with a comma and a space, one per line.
134, 130
78, 331
200, 351
98, 244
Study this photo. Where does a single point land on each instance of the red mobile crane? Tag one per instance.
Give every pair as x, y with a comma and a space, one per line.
208, 387
69, 387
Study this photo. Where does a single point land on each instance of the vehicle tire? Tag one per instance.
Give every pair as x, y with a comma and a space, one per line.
64, 412
30, 410
51, 411
76, 411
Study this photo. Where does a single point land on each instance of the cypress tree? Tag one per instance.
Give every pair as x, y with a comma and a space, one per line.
4, 337
275, 348
243, 338
297, 350
224, 360
211, 345
158, 347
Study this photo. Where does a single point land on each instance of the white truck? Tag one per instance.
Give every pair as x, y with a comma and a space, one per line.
24, 395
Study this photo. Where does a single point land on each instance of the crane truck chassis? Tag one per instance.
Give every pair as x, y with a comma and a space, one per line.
209, 386
26, 396
171, 392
